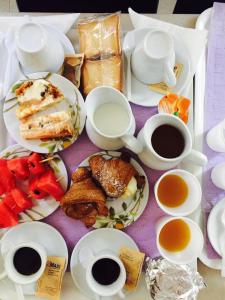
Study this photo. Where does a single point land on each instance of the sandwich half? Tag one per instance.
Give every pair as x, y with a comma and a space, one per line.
58, 124
36, 95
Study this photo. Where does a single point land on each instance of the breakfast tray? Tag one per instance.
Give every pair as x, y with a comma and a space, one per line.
199, 95
5, 139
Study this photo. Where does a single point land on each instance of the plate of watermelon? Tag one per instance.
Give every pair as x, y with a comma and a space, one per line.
31, 185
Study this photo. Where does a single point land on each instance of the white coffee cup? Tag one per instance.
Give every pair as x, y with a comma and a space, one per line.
37, 49
194, 247
218, 176
216, 137
113, 289
10, 270
153, 60
116, 133
152, 159
193, 198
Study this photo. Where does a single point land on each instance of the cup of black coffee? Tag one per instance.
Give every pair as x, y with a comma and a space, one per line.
25, 263
167, 141
106, 275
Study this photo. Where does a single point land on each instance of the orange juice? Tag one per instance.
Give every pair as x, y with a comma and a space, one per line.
175, 235
172, 190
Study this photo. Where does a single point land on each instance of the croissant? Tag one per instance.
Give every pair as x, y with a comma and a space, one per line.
113, 174
84, 200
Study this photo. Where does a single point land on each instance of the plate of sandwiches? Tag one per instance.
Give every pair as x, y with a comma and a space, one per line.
44, 113
109, 189
31, 185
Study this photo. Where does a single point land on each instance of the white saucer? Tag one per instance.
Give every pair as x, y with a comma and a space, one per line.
97, 240
41, 233
140, 93
215, 227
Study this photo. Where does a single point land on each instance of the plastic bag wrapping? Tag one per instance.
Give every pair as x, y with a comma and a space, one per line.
168, 281
100, 42
71, 68
102, 72
100, 35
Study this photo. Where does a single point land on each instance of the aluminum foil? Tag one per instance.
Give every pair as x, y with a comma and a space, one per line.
168, 281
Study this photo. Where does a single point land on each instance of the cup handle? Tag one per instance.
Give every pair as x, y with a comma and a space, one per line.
169, 78
3, 275
19, 292
98, 297
132, 143
196, 157
121, 295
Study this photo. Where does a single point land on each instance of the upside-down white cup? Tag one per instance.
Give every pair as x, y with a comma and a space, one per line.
193, 198
153, 59
218, 176
194, 247
37, 49
216, 137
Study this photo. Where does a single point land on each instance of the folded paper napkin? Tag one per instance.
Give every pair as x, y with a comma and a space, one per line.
195, 40
10, 70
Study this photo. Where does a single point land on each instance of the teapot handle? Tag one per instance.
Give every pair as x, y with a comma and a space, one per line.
169, 77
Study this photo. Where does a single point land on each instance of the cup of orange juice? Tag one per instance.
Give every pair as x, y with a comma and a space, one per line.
178, 193
179, 239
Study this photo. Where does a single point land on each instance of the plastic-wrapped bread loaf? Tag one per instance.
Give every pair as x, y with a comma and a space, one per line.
99, 35
102, 72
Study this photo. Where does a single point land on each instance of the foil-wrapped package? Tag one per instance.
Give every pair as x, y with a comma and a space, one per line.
168, 281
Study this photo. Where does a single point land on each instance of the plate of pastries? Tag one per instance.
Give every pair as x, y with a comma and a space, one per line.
31, 185
44, 113
108, 189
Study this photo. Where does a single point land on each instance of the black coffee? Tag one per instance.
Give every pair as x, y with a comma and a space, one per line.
105, 271
168, 141
27, 261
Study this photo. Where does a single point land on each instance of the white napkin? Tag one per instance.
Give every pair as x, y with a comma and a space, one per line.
194, 39
60, 22
10, 69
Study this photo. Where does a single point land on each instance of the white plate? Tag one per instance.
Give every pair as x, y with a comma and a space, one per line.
215, 228
41, 233
122, 211
140, 93
97, 240
45, 207
74, 102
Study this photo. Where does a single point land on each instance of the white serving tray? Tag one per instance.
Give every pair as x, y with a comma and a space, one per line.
202, 23
69, 290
